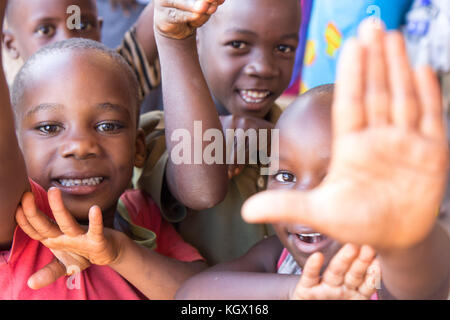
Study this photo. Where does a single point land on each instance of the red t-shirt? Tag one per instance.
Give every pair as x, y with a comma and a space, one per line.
27, 256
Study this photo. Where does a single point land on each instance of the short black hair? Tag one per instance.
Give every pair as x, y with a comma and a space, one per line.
74, 44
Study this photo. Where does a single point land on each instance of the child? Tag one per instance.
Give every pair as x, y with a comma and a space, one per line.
34, 24
76, 106
382, 191
296, 250
247, 64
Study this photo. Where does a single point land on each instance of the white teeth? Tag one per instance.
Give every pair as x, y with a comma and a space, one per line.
251, 96
310, 234
81, 182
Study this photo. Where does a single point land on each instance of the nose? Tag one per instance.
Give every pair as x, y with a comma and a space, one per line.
262, 65
80, 147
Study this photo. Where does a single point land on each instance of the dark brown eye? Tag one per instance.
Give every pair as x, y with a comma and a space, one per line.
285, 177
109, 127
238, 44
49, 129
46, 30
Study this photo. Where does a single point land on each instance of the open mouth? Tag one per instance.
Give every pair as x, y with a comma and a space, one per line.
311, 237
254, 96
88, 182
309, 241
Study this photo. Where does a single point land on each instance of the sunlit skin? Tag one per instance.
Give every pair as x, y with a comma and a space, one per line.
240, 50
33, 24
77, 120
305, 150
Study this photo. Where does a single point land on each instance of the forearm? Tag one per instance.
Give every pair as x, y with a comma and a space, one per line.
158, 277
12, 170
230, 285
187, 101
420, 272
145, 32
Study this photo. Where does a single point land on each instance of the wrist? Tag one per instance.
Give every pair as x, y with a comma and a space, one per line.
119, 242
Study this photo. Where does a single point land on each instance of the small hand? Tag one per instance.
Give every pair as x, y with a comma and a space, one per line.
233, 122
178, 19
351, 275
75, 248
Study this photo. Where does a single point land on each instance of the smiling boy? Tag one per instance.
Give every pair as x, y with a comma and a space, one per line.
247, 63
76, 110
32, 24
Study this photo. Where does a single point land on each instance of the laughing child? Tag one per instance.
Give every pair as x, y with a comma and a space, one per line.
76, 111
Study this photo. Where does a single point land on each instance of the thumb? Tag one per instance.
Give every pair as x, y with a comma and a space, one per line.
47, 275
288, 206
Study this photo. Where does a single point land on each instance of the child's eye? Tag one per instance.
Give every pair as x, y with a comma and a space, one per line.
86, 26
109, 127
239, 45
49, 129
285, 48
46, 30
285, 177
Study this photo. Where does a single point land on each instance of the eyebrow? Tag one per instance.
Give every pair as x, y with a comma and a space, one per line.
243, 31
113, 107
42, 107
294, 36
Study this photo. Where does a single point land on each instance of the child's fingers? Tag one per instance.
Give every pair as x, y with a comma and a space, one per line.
193, 6
25, 226
377, 97
348, 106
47, 275
405, 110
372, 281
95, 231
37, 220
432, 120
335, 273
358, 270
311, 271
64, 218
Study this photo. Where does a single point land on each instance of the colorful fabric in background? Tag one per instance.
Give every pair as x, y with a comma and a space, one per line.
427, 34
294, 86
331, 22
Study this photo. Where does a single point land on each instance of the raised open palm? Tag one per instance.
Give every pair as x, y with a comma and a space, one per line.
389, 160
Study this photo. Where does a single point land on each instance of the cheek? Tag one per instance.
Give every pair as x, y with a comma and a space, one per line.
280, 230
37, 155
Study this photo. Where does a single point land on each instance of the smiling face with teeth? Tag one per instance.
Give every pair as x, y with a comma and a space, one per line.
247, 61
305, 150
76, 123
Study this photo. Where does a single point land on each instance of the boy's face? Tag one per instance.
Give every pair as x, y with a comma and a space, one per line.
33, 24
247, 53
305, 148
76, 125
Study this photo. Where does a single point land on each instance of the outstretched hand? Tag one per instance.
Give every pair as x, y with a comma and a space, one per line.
351, 275
73, 246
390, 155
178, 19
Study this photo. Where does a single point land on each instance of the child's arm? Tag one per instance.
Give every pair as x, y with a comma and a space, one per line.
388, 171
155, 275
350, 275
13, 175
187, 99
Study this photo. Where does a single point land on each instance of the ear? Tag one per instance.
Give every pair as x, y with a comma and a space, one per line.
141, 150
9, 43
